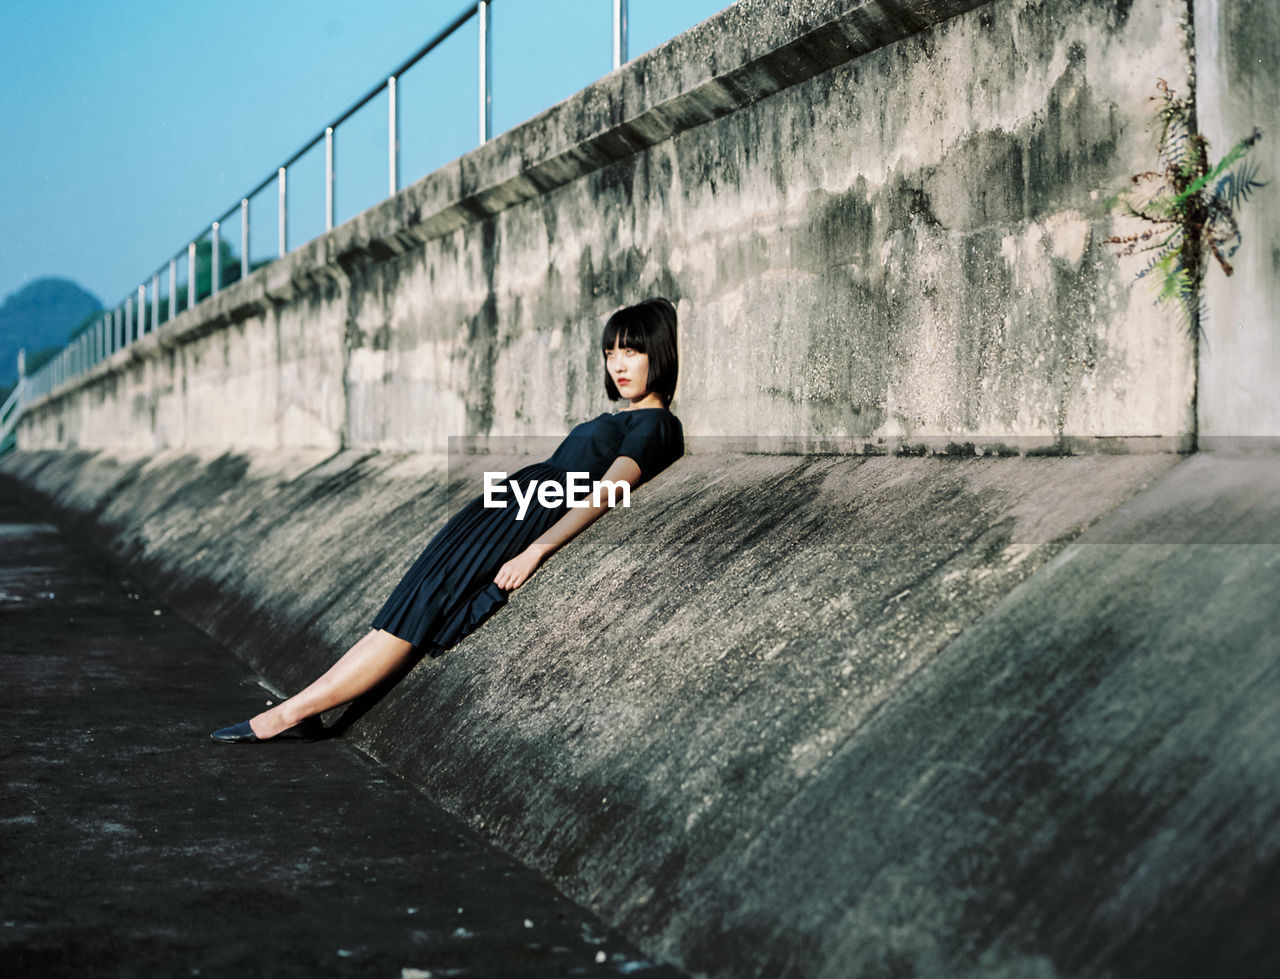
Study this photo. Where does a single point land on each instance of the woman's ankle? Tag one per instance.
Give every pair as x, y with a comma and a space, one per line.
271, 722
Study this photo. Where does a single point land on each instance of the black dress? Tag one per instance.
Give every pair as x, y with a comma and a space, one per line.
449, 590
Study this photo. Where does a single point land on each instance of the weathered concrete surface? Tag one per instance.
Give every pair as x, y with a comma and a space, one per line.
879, 219
1237, 72
134, 846
806, 716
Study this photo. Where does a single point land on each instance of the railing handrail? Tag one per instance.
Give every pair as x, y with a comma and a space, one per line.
12, 400
441, 36
117, 327
11, 412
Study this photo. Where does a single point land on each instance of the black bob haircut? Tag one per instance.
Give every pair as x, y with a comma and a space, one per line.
648, 327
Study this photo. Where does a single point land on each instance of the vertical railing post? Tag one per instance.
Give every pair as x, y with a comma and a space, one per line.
328, 178
128, 320
244, 237
215, 262
486, 92
142, 312
284, 214
155, 302
393, 138
619, 33
173, 288
191, 275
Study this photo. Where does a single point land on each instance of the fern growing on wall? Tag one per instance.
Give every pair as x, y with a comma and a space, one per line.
1189, 207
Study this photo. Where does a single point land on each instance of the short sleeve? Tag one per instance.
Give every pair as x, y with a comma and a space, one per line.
655, 441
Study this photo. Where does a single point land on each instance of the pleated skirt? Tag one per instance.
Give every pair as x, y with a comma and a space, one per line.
449, 591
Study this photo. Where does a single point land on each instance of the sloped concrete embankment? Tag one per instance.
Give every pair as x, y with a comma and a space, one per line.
804, 716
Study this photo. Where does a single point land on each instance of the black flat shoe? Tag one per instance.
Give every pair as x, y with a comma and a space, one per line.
310, 729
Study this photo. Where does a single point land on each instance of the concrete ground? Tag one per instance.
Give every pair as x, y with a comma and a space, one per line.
134, 846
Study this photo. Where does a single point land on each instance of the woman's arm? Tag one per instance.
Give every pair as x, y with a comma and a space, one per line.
516, 572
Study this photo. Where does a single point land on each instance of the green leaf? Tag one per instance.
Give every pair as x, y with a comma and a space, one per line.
1237, 151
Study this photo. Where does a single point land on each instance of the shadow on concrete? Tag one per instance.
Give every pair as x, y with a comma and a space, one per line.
135, 846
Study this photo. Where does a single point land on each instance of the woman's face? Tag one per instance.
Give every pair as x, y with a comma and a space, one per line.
629, 369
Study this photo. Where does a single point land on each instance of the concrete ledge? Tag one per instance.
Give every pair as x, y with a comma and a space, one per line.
802, 716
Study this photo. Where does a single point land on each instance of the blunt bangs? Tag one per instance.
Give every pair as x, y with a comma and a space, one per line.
649, 328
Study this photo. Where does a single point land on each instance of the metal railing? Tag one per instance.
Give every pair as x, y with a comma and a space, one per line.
10, 412
127, 322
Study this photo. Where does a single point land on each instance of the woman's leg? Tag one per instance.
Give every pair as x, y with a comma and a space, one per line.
372, 659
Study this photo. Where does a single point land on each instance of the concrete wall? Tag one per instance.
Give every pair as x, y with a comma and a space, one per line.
1237, 67
879, 219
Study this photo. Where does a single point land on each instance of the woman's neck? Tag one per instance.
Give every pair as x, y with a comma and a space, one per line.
650, 400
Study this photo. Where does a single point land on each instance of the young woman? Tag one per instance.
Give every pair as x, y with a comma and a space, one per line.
483, 553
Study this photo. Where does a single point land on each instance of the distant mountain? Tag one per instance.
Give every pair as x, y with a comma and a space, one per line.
41, 314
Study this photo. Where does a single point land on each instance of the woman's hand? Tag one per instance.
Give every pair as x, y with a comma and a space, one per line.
516, 572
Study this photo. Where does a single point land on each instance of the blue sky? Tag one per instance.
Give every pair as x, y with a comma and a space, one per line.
130, 125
